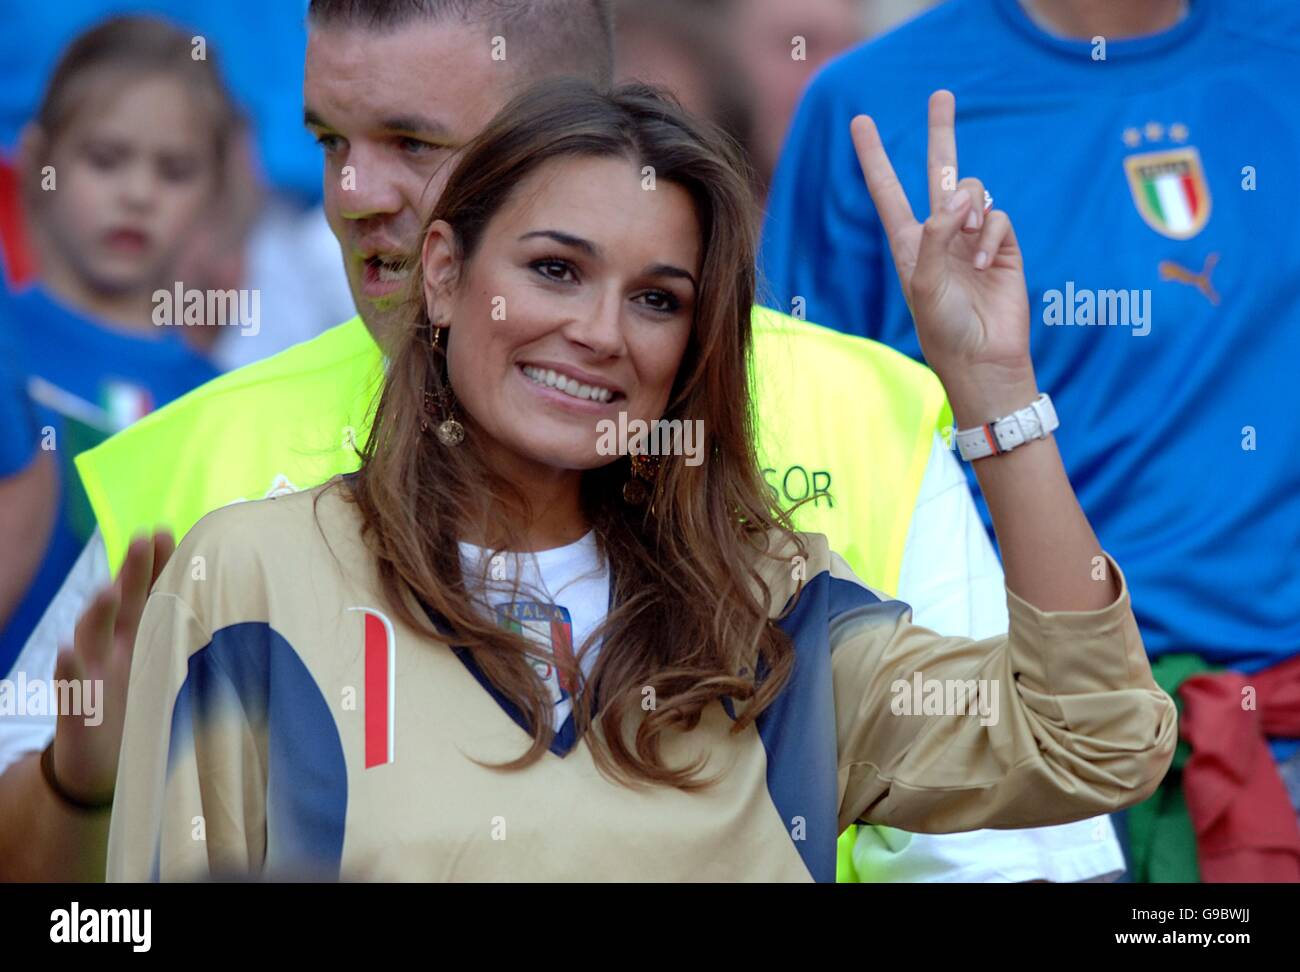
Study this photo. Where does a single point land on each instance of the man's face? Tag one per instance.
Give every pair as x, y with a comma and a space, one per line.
390, 109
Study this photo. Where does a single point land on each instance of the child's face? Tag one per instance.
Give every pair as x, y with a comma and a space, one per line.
391, 108
131, 179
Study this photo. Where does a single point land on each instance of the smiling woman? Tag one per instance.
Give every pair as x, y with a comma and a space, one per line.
481, 658
551, 253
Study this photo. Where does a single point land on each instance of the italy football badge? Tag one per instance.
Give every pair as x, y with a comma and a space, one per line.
550, 627
1170, 191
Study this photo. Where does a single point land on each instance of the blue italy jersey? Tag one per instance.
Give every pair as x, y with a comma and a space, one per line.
88, 380
1150, 182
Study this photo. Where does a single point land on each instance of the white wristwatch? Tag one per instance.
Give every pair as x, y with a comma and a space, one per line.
1035, 421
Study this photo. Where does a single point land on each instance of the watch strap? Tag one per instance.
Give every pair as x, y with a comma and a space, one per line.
1036, 420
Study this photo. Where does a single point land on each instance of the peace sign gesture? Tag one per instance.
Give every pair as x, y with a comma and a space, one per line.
961, 270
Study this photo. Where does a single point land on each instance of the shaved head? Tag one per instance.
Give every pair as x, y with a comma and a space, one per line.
539, 38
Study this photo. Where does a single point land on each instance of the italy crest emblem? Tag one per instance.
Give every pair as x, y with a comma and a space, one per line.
1170, 191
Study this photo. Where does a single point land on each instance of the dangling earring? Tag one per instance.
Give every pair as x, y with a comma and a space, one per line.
450, 432
645, 470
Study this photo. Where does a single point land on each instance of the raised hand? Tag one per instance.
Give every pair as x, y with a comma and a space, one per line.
85, 756
961, 270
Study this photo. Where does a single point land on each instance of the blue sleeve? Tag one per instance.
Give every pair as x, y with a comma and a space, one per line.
822, 240
17, 416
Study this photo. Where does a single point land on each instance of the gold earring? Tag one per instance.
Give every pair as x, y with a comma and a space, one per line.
645, 471
450, 432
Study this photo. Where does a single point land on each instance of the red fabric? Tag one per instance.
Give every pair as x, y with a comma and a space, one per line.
15, 252
1245, 825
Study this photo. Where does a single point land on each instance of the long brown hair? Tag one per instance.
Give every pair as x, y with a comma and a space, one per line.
689, 620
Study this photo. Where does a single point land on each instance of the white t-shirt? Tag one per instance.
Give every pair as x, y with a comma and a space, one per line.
950, 576
555, 598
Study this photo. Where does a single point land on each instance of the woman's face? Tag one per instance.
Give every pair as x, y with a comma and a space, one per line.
576, 306
132, 179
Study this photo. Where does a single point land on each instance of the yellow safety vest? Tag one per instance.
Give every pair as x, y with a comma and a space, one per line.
842, 419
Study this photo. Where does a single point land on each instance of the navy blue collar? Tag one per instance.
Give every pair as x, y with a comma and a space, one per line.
564, 740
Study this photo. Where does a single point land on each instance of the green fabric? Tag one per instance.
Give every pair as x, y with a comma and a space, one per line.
845, 872
877, 412
1162, 842
285, 423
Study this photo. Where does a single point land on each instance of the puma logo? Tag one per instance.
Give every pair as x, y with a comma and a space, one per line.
1169, 270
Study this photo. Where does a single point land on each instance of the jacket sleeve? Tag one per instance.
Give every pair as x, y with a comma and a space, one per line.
953, 581
1057, 720
188, 803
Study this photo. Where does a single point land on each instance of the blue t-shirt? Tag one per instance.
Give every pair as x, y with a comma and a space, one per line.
88, 381
1165, 171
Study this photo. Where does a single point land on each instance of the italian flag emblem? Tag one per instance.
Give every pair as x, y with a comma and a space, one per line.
125, 402
1170, 191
